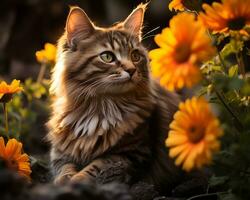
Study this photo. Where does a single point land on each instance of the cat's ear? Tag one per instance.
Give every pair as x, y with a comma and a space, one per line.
78, 25
134, 22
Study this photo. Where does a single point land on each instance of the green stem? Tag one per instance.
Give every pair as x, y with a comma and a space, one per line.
238, 123
6, 119
222, 98
219, 54
206, 195
41, 73
241, 64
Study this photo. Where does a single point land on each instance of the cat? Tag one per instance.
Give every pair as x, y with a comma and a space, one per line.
106, 109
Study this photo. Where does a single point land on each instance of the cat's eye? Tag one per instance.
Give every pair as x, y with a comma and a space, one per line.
107, 57
135, 56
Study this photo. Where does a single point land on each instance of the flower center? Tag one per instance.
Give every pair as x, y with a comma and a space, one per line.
196, 134
237, 23
182, 53
13, 165
6, 98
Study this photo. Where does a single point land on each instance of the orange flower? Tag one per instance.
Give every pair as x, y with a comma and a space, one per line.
176, 5
181, 5
47, 55
183, 46
225, 16
6, 90
193, 135
13, 157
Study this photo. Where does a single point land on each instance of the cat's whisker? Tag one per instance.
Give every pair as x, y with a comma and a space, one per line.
78, 97
92, 87
149, 36
88, 90
87, 81
150, 31
85, 91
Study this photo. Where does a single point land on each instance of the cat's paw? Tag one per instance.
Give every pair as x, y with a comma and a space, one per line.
81, 177
60, 180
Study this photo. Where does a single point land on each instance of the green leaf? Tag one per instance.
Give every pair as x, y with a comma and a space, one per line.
233, 47
217, 181
235, 83
227, 83
246, 88
227, 50
210, 89
217, 68
233, 71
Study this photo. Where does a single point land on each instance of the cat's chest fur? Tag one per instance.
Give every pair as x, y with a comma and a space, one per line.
95, 127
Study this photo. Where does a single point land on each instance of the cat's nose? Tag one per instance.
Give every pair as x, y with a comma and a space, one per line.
131, 71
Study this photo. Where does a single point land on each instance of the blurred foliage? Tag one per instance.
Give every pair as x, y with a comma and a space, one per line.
22, 110
229, 88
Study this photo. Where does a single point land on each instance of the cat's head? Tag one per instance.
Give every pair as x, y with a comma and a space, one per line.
96, 61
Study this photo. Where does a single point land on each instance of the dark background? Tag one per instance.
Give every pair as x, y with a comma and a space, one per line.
25, 25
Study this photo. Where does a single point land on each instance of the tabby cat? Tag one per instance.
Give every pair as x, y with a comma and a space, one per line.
107, 110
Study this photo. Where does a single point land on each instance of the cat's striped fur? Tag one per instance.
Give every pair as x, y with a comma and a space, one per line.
98, 118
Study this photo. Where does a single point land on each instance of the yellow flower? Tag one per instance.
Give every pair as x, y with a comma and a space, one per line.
193, 135
176, 5
13, 157
225, 16
183, 46
47, 55
6, 90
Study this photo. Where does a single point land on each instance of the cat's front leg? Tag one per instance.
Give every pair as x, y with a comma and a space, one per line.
66, 172
108, 169
63, 168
